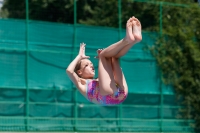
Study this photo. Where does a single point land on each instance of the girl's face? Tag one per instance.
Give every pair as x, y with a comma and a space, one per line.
87, 69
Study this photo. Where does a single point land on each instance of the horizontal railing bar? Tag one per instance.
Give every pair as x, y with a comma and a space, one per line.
161, 2
45, 88
93, 105
95, 119
73, 89
100, 126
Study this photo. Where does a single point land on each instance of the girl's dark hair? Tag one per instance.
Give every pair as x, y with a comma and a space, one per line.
78, 67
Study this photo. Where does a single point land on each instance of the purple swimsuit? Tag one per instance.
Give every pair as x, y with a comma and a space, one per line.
93, 95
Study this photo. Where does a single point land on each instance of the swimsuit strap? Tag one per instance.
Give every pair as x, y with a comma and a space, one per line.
87, 82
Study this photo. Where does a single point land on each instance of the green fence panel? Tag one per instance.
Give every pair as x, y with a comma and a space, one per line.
50, 102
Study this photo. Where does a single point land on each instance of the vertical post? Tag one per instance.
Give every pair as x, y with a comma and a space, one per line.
161, 87
161, 106
27, 65
75, 12
119, 31
161, 12
73, 55
119, 18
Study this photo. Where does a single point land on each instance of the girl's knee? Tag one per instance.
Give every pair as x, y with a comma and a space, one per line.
102, 55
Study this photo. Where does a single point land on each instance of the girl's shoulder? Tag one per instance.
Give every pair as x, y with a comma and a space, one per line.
83, 85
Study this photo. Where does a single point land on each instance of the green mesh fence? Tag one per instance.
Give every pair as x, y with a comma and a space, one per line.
37, 95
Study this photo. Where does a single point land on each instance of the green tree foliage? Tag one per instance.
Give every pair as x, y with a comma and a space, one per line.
178, 55
105, 13
89, 12
44, 10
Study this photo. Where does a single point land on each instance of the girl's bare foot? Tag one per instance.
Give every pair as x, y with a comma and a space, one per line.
129, 32
137, 29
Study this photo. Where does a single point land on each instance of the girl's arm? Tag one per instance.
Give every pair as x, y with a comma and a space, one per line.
70, 69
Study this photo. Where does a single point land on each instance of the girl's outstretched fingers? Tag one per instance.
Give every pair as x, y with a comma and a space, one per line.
82, 51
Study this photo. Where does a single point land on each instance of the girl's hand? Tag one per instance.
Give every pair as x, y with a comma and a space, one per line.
98, 52
82, 51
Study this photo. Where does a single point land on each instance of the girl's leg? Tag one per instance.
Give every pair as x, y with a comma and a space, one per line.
107, 83
137, 38
112, 74
115, 48
137, 35
118, 75
108, 76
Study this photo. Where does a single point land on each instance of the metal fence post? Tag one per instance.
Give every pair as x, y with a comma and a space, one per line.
72, 57
161, 87
119, 31
27, 65
160, 17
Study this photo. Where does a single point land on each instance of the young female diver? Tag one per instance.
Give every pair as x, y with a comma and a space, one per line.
110, 88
